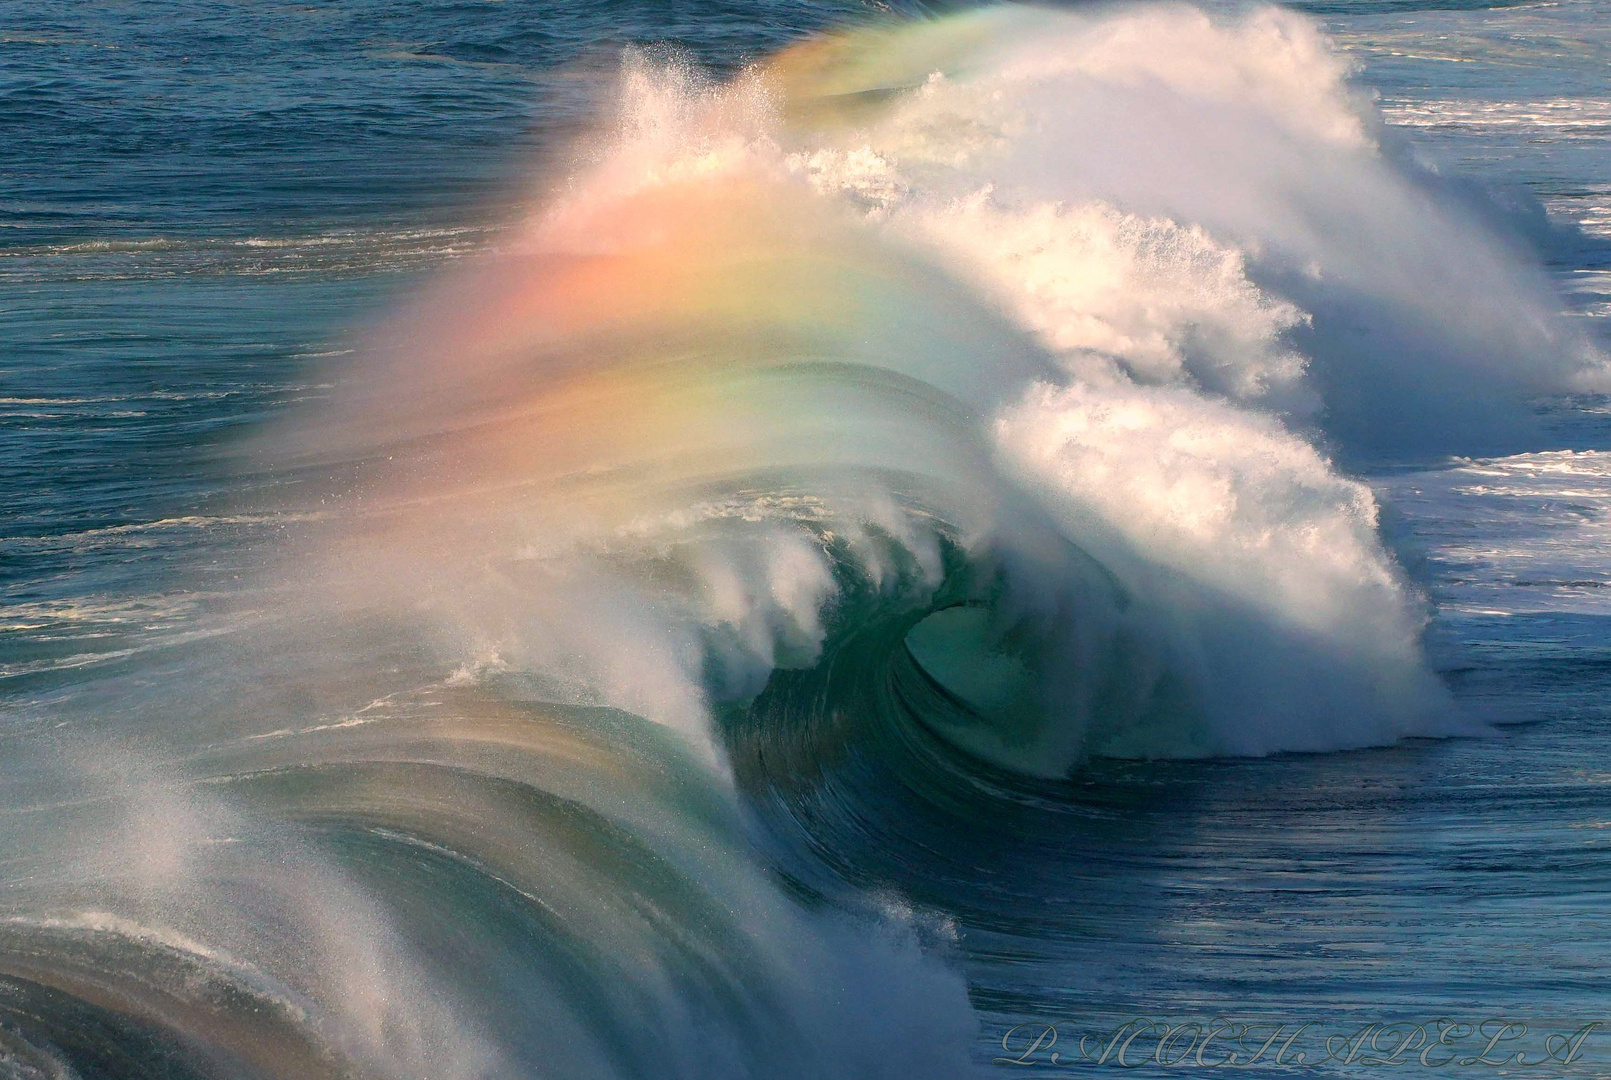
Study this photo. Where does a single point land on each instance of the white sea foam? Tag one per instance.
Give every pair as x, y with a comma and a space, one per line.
1151, 268
1049, 322
1566, 118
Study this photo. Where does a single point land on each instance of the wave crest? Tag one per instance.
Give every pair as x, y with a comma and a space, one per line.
1049, 315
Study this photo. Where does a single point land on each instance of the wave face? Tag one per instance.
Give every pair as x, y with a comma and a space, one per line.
966, 389
1028, 332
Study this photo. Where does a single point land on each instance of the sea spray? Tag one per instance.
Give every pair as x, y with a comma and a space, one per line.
777, 343
978, 378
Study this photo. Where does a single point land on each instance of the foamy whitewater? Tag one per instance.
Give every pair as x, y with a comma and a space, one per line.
652, 631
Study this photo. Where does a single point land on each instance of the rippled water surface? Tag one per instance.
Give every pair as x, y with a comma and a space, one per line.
459, 724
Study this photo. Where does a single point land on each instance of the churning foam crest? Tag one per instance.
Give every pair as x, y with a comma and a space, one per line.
1114, 279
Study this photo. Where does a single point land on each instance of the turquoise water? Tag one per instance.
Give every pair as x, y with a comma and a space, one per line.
270, 811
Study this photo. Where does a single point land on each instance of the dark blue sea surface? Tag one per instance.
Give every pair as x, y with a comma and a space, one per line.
204, 209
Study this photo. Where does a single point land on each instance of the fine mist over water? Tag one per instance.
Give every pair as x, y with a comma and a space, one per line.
1034, 332
987, 384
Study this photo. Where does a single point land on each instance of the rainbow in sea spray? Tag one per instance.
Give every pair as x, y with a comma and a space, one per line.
998, 361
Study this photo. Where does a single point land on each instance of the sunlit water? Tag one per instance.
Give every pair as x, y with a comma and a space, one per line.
320, 765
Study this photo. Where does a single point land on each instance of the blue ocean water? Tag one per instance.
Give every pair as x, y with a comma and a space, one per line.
247, 834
